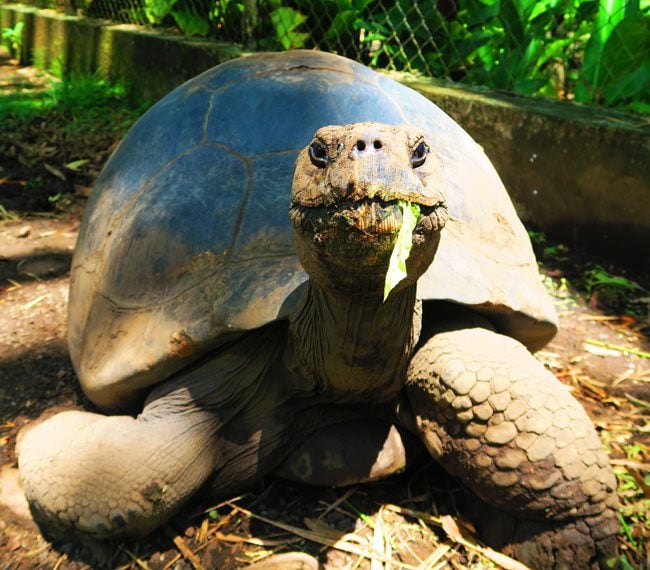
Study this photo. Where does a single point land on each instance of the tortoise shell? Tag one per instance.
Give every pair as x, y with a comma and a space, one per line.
186, 240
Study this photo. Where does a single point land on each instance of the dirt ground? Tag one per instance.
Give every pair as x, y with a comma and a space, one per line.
602, 353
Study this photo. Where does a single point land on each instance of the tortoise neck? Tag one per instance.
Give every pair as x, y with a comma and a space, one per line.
354, 348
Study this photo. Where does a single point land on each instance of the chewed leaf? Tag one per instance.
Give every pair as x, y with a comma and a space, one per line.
397, 264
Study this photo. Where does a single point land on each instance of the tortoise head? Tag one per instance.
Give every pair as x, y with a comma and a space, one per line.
347, 186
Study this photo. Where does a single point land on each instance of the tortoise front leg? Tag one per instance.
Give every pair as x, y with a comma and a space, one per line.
115, 476
495, 418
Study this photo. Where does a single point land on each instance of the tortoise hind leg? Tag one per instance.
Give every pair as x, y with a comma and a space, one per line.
500, 422
350, 451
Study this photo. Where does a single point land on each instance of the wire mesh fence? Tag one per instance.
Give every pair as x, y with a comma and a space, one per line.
585, 50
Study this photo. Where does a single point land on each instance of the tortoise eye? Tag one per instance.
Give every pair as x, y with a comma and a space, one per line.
318, 154
419, 155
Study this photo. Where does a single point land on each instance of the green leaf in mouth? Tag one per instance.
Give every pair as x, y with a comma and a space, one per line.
397, 264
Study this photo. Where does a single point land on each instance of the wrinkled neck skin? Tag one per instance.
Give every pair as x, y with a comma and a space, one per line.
352, 347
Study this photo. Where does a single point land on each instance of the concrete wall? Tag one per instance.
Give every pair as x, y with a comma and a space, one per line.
580, 173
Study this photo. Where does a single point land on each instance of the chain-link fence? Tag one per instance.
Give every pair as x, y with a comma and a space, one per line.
585, 50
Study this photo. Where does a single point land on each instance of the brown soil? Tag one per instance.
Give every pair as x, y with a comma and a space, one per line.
36, 376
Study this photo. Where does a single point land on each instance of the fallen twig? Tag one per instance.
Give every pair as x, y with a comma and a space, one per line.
450, 527
618, 347
338, 502
183, 549
141, 563
34, 302
314, 537
638, 402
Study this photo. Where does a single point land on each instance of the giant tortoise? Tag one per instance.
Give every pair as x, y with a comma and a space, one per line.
227, 312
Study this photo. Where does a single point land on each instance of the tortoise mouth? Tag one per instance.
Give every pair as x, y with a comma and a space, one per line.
369, 216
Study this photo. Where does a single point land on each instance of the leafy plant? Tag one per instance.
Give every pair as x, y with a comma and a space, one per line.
593, 51
6, 214
77, 120
599, 277
12, 38
285, 22
188, 16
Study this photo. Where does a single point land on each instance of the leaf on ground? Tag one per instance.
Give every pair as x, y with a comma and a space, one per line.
53, 170
77, 164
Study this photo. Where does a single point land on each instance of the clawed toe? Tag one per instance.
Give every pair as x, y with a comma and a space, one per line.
584, 543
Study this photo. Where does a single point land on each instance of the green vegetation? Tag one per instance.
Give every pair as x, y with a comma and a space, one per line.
591, 51
600, 286
57, 137
12, 39
85, 98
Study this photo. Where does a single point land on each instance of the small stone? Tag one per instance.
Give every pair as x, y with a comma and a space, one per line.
540, 449
501, 434
24, 232
472, 444
480, 392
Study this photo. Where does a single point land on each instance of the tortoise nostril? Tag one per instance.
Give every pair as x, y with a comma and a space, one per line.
361, 145
377, 144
